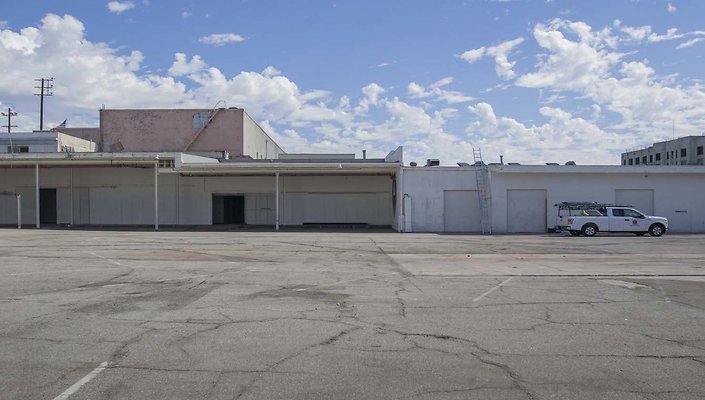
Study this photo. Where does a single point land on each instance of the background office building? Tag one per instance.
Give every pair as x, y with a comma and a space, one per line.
687, 150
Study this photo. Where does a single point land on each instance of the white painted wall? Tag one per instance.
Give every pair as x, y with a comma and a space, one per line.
425, 187
255, 141
672, 192
677, 194
125, 196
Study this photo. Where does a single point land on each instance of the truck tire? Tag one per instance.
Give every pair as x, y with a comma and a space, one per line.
657, 230
573, 232
589, 230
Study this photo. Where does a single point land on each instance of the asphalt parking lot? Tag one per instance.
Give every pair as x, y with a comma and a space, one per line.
360, 315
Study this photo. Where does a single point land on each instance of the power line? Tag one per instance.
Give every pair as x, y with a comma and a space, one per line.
44, 90
9, 114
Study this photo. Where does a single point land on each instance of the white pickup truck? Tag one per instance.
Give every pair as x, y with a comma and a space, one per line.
615, 219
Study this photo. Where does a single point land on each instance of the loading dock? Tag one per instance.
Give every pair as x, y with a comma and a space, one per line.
526, 211
461, 211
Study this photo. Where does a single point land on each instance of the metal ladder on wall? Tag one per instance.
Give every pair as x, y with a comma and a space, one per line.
483, 193
213, 113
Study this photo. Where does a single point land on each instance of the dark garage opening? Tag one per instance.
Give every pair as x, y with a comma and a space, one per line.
228, 210
47, 206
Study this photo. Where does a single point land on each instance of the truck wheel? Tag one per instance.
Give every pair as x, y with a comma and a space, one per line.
574, 232
656, 230
589, 230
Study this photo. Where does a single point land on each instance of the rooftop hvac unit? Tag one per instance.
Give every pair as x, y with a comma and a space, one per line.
433, 162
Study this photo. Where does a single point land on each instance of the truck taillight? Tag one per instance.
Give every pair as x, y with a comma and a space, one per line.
570, 221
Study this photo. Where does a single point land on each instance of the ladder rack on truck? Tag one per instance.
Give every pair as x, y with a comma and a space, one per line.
569, 208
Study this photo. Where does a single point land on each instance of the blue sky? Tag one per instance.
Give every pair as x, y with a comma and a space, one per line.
536, 81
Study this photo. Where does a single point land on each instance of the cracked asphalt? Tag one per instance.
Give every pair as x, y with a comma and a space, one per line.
361, 315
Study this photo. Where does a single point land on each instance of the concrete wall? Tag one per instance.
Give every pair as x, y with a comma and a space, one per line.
171, 130
89, 134
675, 194
44, 142
425, 187
125, 196
74, 144
256, 143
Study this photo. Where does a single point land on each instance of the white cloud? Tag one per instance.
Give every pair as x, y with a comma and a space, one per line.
3, 24
671, 8
186, 14
689, 43
221, 39
372, 93
554, 141
671, 34
500, 53
384, 64
588, 67
118, 7
182, 66
635, 34
435, 91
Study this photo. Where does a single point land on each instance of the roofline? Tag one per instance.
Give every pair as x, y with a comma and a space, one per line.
597, 169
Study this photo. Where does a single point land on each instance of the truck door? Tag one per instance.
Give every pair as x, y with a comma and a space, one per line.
618, 221
634, 221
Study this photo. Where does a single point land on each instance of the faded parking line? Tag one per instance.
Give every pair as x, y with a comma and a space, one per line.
480, 297
74, 388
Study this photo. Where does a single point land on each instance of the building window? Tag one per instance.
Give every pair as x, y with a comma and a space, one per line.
18, 149
636, 161
658, 156
700, 150
624, 162
643, 160
651, 158
631, 161
683, 152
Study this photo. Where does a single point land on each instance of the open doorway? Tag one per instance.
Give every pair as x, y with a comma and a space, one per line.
47, 206
228, 209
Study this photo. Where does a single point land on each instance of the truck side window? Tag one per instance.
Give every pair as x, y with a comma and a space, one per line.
633, 214
618, 212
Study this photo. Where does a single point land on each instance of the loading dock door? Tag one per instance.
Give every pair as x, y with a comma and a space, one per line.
228, 210
526, 211
461, 211
641, 199
47, 206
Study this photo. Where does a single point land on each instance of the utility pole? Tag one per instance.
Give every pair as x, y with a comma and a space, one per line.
9, 114
44, 90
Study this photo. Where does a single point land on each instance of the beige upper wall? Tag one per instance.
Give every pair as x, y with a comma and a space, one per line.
172, 130
257, 143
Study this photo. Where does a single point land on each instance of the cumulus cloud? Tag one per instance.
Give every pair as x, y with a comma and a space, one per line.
118, 7
500, 53
588, 66
561, 134
671, 8
221, 39
436, 92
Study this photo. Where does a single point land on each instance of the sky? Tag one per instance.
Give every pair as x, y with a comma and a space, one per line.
534, 81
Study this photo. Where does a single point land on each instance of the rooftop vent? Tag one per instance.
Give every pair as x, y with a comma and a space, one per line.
463, 164
413, 164
551, 163
433, 162
570, 163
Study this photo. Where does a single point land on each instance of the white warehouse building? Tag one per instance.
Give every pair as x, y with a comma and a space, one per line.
88, 189
523, 198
